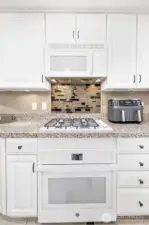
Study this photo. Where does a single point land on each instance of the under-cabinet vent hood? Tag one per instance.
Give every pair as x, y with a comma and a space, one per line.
78, 81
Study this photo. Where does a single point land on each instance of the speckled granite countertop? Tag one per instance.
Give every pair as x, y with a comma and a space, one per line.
29, 126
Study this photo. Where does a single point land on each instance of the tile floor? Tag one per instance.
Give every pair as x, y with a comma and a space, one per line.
125, 221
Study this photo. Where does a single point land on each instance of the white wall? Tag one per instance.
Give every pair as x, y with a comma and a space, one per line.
96, 4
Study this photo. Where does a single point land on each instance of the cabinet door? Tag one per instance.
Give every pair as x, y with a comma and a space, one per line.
121, 37
2, 177
143, 51
60, 28
91, 28
21, 186
21, 47
132, 201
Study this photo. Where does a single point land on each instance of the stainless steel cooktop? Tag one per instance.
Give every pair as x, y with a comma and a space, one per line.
76, 124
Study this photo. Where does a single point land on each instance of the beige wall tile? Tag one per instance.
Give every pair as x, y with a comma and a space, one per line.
20, 102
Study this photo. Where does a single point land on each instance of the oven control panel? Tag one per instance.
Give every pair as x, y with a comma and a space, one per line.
77, 157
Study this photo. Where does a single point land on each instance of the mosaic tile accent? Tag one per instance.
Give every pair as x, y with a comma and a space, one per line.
72, 98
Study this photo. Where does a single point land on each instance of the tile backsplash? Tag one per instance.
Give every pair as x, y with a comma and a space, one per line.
90, 99
75, 98
21, 102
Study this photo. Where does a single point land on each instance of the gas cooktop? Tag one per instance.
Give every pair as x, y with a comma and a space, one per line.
83, 124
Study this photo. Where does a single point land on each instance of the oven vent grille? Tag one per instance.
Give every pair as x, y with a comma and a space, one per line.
76, 46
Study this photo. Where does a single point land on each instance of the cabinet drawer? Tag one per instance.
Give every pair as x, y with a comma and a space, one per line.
21, 145
133, 179
133, 201
133, 162
76, 156
133, 145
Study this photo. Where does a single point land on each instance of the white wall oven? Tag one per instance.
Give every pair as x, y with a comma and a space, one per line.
76, 193
76, 180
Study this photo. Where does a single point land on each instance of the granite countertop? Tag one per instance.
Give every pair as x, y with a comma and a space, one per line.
29, 126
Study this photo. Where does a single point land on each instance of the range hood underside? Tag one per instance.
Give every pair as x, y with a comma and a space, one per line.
76, 80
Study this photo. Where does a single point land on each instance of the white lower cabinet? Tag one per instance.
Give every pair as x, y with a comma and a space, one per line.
21, 181
2, 176
133, 176
133, 162
133, 201
133, 179
130, 146
21, 186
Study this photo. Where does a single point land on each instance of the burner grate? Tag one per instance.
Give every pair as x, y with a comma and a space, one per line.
72, 123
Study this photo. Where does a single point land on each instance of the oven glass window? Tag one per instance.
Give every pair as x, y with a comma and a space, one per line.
77, 190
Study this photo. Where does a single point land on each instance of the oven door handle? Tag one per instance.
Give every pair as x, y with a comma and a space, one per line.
76, 168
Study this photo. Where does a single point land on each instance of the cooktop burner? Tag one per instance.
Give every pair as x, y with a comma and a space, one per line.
75, 124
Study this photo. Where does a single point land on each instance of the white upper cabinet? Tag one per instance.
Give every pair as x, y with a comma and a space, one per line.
60, 28
143, 52
91, 29
22, 39
71, 28
121, 42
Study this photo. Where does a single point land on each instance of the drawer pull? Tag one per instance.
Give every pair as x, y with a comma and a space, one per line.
141, 181
141, 204
77, 214
19, 147
141, 146
141, 164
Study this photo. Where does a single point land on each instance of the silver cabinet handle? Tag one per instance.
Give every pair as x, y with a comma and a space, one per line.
141, 146
140, 78
140, 203
141, 164
73, 34
134, 78
77, 214
33, 167
78, 34
19, 147
42, 78
141, 181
